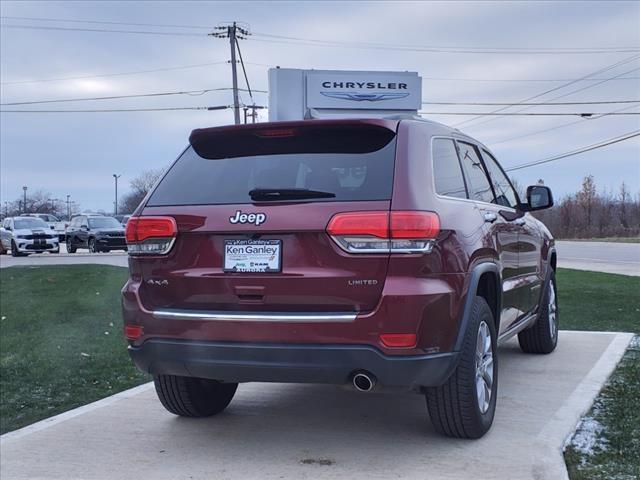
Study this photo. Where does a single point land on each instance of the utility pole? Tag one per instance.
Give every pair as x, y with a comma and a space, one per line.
24, 202
234, 33
115, 204
68, 209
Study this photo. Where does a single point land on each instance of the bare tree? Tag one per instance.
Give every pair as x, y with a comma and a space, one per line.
624, 199
586, 198
140, 186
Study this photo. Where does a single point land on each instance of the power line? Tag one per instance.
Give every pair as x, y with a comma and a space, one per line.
523, 80
319, 42
102, 22
532, 114
82, 77
270, 38
102, 30
114, 97
533, 104
588, 148
560, 96
558, 127
564, 85
113, 110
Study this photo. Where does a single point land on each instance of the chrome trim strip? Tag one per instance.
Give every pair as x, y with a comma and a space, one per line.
255, 317
517, 328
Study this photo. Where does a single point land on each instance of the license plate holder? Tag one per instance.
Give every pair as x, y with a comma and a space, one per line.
252, 256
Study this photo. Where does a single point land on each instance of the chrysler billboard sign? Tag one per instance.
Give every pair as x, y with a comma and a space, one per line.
296, 94
364, 90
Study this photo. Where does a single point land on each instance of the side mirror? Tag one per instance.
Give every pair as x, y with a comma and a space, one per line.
84, 227
539, 197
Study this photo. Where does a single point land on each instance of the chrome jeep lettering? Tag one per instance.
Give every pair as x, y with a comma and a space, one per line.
255, 218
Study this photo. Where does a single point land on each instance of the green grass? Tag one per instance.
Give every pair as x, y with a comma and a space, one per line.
606, 302
598, 301
61, 342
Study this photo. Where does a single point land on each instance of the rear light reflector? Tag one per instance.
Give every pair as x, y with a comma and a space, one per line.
385, 232
150, 235
399, 340
132, 332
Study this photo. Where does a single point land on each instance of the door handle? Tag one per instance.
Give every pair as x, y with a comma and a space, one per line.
490, 217
520, 221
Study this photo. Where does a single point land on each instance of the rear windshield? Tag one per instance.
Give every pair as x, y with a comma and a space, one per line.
353, 165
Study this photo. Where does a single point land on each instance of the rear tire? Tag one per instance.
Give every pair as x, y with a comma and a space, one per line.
460, 407
193, 397
71, 248
14, 250
542, 336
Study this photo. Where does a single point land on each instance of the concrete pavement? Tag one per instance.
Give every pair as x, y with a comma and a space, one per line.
318, 431
82, 257
609, 257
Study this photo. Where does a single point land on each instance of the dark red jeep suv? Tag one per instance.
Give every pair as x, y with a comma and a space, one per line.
369, 252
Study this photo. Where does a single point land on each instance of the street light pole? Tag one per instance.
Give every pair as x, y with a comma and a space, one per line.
24, 202
68, 209
115, 204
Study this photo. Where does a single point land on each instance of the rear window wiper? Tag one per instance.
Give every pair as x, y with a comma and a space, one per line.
274, 194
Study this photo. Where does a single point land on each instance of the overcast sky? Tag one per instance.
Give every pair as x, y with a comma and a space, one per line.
77, 153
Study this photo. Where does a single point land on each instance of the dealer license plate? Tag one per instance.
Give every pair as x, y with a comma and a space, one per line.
258, 256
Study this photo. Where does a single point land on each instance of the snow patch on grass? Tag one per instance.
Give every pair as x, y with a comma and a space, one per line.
589, 438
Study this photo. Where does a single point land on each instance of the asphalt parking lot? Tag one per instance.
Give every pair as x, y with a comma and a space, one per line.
82, 257
609, 257
317, 431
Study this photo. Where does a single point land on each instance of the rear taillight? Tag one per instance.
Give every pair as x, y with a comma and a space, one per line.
384, 232
150, 235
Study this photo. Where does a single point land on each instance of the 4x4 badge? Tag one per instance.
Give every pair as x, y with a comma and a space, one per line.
255, 218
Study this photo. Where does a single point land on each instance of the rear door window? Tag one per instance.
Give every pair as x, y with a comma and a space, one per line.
447, 172
475, 174
505, 194
352, 165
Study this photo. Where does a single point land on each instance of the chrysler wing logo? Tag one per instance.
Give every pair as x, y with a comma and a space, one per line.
364, 97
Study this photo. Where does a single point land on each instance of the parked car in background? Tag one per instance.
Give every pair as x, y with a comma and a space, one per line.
25, 235
98, 233
54, 222
364, 252
123, 219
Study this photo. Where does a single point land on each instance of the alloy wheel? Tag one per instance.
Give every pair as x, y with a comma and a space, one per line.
484, 367
552, 308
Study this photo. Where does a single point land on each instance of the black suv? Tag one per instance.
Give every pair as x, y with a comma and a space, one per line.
95, 232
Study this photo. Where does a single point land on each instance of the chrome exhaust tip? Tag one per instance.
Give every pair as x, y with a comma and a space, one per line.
363, 382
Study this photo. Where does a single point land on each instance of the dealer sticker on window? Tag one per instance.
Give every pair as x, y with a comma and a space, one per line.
259, 256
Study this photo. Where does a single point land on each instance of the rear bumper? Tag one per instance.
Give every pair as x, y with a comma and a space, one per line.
289, 363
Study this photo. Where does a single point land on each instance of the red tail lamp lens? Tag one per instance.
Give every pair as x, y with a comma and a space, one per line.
398, 340
141, 228
360, 223
414, 225
132, 332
